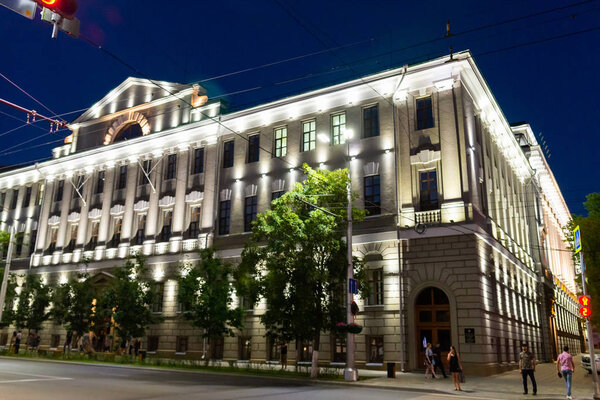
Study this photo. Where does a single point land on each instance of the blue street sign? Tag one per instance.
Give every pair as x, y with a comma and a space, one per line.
353, 286
577, 236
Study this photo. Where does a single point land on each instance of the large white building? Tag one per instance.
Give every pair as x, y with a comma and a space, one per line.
463, 242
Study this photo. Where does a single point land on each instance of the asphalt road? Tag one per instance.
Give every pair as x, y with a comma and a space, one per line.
23, 379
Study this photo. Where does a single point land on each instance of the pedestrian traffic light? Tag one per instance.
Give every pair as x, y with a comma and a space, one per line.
585, 312
585, 306
585, 301
64, 8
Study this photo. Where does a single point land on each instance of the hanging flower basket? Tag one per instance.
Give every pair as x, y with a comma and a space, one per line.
341, 327
354, 328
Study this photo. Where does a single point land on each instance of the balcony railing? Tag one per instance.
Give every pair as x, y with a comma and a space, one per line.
428, 217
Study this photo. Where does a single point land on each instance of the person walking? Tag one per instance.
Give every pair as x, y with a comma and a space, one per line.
68, 340
527, 367
284, 350
437, 358
18, 342
565, 368
455, 367
429, 362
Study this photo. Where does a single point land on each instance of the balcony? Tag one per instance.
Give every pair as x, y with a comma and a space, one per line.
430, 217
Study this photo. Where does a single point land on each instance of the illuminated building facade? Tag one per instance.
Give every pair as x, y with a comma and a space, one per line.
456, 252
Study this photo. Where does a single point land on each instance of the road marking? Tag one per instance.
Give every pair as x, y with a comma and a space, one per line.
35, 380
31, 377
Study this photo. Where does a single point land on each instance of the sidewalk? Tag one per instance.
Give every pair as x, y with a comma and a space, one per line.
503, 386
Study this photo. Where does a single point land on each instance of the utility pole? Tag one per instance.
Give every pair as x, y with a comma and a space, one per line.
7, 269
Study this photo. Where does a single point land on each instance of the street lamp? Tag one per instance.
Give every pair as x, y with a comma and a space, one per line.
350, 373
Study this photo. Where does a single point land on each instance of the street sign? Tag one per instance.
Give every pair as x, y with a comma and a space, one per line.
24, 7
353, 286
585, 312
577, 236
69, 26
585, 301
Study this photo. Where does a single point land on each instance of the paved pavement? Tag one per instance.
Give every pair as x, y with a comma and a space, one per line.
26, 379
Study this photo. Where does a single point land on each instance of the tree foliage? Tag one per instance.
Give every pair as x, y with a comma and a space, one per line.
297, 260
206, 296
8, 315
34, 299
72, 304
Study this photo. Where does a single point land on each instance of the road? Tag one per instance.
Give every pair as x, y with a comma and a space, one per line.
31, 380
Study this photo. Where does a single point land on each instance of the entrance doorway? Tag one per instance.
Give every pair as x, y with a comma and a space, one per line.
432, 313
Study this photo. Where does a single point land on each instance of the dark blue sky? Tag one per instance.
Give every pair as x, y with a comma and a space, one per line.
553, 84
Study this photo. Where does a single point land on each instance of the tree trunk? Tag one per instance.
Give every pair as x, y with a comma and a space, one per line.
314, 371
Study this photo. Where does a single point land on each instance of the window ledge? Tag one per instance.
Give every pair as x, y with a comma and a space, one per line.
304, 363
338, 364
153, 352
243, 361
373, 306
374, 365
180, 353
273, 362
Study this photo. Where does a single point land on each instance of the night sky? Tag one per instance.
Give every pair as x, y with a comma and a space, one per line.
550, 83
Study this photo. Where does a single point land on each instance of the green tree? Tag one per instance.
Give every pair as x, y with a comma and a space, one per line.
8, 315
206, 296
297, 260
130, 296
34, 299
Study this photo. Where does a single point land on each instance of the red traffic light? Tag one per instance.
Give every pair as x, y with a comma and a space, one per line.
65, 8
585, 312
585, 301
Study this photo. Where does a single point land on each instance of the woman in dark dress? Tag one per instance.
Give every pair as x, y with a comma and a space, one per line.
455, 367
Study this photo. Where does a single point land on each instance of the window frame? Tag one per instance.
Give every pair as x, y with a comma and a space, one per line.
427, 121
14, 202
179, 340
372, 182
312, 135
253, 154
379, 344
100, 179
158, 297
244, 348
58, 195
27, 198
198, 164
427, 204
373, 122
228, 153
377, 295
224, 220
147, 167
122, 178
171, 167
163, 236
336, 137
250, 211
280, 145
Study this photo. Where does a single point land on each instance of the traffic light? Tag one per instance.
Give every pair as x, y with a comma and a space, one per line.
64, 8
585, 308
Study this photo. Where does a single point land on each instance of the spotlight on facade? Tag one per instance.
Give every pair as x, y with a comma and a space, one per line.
321, 137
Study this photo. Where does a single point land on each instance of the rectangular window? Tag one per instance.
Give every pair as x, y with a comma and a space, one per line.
55, 341
53, 237
376, 286
339, 349
19, 244
280, 135
72, 238
216, 348
277, 194
165, 232
194, 229
371, 121
250, 208
181, 345
141, 227
157, 297
40, 195
198, 166
60, 186
122, 181
305, 351
228, 154
253, 148
78, 186
171, 166
27, 198
224, 216
94, 235
145, 172
309, 135
2, 199
245, 346
372, 195
424, 113
273, 350
152, 345
100, 182
338, 128
375, 349
15, 198
429, 192
116, 238
32, 238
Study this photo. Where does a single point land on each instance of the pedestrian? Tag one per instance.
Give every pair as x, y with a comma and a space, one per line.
30, 341
429, 362
136, 346
18, 342
13, 339
455, 367
437, 358
284, 356
36, 341
565, 368
68, 340
527, 366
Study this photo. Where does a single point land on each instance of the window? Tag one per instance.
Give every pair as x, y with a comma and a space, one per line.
122, 182
32, 238
371, 121
59, 191
19, 244
94, 236
100, 182
40, 195
304, 351
250, 208
141, 226
78, 186
2, 199
228, 154
194, 229
309, 135
372, 195
171, 166
55, 341
181, 344
245, 348
72, 238
116, 239
253, 148
27, 198
280, 141
53, 237
375, 349
376, 286
277, 194
15, 197
216, 348
339, 348
157, 297
145, 172
429, 192
424, 113
198, 166
273, 350
152, 346
165, 233
338, 126
224, 216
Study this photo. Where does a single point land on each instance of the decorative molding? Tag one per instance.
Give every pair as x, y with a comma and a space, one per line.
94, 213
444, 84
278, 185
124, 120
141, 205
251, 190
194, 197
73, 217
54, 220
425, 157
166, 201
117, 209
225, 195
371, 168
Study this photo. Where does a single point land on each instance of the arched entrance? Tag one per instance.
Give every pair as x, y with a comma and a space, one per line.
432, 321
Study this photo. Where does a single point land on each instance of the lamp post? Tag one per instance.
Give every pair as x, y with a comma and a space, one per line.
350, 372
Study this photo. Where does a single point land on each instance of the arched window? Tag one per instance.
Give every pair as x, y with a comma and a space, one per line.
129, 131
